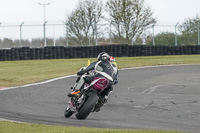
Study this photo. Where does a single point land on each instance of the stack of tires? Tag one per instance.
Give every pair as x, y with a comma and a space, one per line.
5, 54
71, 52
1, 54
60, 52
198, 49
66, 52
14, 54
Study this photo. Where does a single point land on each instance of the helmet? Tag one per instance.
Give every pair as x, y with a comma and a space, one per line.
103, 56
112, 59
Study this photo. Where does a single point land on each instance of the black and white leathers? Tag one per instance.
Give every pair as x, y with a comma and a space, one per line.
102, 68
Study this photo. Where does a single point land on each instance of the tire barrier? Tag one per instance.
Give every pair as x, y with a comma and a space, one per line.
123, 50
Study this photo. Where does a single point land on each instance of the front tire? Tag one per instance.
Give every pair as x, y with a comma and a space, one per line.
68, 113
88, 106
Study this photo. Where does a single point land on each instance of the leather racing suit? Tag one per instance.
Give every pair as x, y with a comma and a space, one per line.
102, 68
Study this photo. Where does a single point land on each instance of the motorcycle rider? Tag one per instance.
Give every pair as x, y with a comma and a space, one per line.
104, 67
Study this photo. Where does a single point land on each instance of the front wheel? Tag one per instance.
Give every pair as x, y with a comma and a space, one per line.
68, 113
87, 106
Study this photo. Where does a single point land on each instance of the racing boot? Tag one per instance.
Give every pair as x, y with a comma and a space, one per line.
78, 87
101, 102
76, 93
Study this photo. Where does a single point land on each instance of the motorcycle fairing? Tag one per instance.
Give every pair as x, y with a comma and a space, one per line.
99, 83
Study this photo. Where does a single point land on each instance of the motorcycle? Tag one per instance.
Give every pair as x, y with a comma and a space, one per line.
89, 100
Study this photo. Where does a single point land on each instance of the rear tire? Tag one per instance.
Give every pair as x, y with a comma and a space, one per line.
87, 106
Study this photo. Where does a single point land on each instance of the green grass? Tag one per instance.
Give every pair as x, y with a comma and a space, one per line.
12, 127
14, 73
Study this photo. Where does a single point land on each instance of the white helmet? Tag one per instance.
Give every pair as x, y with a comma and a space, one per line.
103, 56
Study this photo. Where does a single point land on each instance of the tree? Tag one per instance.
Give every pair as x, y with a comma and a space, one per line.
7, 43
189, 30
190, 25
82, 22
163, 38
128, 18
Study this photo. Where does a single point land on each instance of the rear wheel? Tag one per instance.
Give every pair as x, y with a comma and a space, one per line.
87, 107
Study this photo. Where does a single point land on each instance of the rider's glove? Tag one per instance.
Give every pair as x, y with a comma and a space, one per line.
80, 73
115, 82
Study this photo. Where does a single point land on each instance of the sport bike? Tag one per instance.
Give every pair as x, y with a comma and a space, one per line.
89, 100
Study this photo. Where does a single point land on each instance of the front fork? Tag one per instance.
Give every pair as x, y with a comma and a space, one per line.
75, 103
71, 105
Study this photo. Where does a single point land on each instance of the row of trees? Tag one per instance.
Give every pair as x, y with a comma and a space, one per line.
125, 20
37, 42
188, 34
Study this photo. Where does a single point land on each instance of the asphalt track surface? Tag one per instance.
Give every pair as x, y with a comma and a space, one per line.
162, 97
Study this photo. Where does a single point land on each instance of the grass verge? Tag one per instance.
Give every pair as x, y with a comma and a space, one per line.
14, 73
12, 127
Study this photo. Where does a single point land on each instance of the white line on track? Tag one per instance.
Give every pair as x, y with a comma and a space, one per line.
44, 82
152, 89
51, 80
157, 66
1, 119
